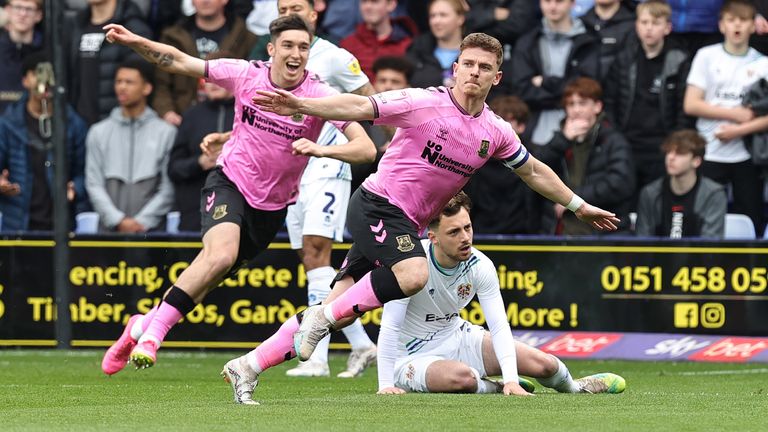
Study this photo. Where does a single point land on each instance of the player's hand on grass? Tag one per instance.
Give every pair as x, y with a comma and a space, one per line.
305, 147
279, 102
513, 388
391, 391
597, 218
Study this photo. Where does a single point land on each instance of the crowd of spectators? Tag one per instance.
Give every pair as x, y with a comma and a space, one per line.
636, 104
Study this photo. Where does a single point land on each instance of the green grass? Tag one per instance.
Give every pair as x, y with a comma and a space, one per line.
53, 390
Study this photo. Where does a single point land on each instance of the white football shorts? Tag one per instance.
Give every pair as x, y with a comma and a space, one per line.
464, 345
321, 210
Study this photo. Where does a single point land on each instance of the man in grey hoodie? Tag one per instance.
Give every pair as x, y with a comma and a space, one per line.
559, 50
127, 157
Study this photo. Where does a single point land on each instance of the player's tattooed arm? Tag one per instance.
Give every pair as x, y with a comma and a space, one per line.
163, 60
166, 57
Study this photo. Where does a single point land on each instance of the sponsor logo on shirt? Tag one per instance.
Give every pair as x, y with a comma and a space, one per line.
90, 44
432, 153
447, 317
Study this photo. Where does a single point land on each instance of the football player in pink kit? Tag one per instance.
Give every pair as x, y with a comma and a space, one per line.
444, 136
244, 199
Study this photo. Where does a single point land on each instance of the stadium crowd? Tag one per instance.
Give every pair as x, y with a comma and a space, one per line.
639, 106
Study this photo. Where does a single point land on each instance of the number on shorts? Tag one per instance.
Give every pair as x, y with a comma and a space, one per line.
327, 208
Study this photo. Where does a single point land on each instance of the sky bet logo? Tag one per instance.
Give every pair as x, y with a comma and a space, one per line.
690, 315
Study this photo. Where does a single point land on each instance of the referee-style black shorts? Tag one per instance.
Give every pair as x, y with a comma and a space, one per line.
382, 234
221, 201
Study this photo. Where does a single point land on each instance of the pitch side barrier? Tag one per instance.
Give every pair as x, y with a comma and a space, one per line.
604, 297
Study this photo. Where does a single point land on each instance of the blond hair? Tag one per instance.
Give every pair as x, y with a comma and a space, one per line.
656, 8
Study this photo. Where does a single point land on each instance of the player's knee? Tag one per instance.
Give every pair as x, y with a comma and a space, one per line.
221, 261
411, 283
464, 381
548, 364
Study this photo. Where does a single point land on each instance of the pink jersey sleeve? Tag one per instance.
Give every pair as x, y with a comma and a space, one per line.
400, 107
512, 152
227, 73
321, 89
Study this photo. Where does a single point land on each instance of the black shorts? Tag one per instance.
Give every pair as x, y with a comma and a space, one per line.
221, 201
383, 235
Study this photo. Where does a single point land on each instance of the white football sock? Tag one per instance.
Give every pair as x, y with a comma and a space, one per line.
482, 385
561, 380
357, 336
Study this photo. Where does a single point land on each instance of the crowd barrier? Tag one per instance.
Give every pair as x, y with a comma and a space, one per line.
584, 293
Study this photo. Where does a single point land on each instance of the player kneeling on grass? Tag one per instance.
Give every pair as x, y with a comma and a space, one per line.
425, 346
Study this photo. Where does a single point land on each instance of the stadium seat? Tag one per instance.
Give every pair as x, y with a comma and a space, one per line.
172, 220
739, 226
87, 223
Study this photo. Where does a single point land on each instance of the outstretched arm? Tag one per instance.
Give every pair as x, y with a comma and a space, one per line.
337, 107
166, 57
539, 177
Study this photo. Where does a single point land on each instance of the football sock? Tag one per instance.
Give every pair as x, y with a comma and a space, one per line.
174, 306
561, 380
141, 324
356, 335
275, 350
371, 291
482, 385
319, 284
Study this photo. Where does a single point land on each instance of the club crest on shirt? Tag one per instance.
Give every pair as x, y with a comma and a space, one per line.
442, 134
297, 117
219, 212
483, 152
464, 290
404, 243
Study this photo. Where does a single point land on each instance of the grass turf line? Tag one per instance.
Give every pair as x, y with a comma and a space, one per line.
66, 391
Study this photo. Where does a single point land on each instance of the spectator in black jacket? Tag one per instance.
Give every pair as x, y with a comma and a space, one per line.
188, 166
92, 64
558, 50
18, 39
613, 21
591, 157
645, 89
506, 20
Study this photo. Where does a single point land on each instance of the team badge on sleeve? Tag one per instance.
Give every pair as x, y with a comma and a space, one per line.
483, 152
219, 212
404, 243
354, 67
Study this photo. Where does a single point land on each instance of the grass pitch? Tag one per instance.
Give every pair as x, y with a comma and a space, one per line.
65, 390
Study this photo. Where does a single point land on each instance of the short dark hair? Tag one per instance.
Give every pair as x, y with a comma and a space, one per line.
584, 87
395, 63
685, 141
510, 107
743, 9
146, 70
31, 60
454, 206
290, 22
485, 43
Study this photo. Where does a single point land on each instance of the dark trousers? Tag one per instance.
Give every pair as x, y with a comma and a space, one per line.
747, 186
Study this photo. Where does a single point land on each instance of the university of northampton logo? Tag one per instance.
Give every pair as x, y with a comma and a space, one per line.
297, 117
464, 290
404, 243
219, 212
483, 152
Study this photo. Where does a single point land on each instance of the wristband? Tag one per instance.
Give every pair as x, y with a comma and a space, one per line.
575, 203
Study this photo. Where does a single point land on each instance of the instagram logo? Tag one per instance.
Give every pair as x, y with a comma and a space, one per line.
712, 315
